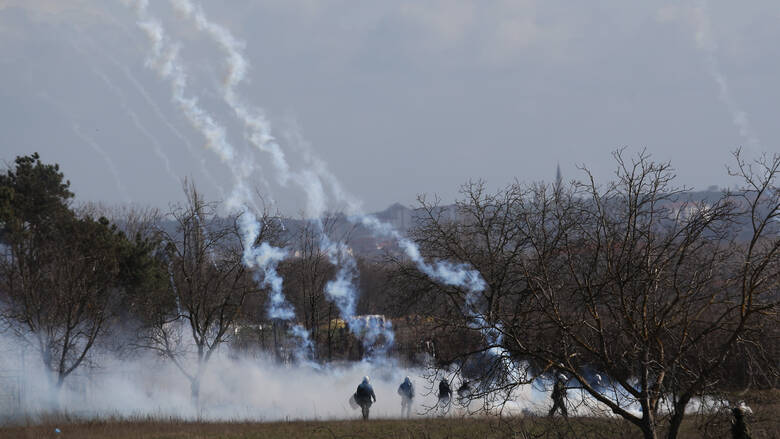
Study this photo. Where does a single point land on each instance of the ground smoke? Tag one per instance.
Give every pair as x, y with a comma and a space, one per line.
234, 387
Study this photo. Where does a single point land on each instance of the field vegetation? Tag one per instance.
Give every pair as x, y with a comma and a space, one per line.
765, 424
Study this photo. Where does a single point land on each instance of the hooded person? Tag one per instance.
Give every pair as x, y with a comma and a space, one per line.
364, 397
406, 390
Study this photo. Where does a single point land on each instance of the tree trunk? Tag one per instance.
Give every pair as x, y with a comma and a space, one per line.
648, 426
676, 421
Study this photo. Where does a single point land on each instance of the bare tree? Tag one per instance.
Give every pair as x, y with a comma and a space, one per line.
480, 231
638, 294
649, 289
209, 284
307, 272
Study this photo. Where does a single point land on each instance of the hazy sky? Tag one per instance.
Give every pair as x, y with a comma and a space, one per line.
397, 97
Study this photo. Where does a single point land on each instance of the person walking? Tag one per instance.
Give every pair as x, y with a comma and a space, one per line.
559, 396
365, 396
406, 390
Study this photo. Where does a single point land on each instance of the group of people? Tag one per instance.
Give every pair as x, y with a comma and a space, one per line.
364, 396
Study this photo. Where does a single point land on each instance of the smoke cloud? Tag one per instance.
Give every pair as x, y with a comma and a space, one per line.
341, 289
233, 388
165, 60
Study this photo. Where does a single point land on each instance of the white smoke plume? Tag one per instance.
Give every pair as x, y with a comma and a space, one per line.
342, 289
258, 132
158, 112
697, 18
144, 93
263, 138
165, 60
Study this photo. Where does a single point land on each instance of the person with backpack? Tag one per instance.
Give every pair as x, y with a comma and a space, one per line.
364, 397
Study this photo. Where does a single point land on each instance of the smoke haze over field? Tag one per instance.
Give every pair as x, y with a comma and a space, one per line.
399, 98
233, 388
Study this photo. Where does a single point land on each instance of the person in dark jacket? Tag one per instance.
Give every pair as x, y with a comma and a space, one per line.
365, 396
406, 390
445, 392
559, 396
739, 428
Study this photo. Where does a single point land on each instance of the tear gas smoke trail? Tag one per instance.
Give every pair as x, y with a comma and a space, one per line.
451, 274
738, 116
319, 167
460, 275
705, 41
165, 60
341, 290
102, 152
158, 112
259, 129
149, 101
120, 95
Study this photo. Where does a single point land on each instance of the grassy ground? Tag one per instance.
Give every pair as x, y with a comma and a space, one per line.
429, 428
420, 428
765, 424
433, 428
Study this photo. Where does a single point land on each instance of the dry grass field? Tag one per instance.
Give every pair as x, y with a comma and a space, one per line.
765, 424
433, 428
420, 428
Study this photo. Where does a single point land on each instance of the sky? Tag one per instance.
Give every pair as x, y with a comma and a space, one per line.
390, 99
